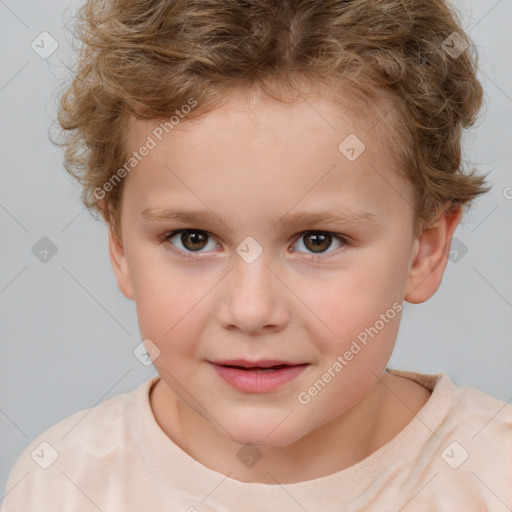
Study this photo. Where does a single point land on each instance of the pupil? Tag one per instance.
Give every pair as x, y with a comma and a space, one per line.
320, 242
193, 240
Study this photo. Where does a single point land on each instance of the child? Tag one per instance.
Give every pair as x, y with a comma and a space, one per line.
277, 179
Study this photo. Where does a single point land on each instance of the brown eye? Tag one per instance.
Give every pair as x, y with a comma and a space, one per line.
317, 242
192, 240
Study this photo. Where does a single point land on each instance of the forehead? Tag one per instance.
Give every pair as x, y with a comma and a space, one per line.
254, 149
372, 117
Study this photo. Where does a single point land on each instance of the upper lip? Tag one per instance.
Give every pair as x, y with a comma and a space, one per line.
262, 363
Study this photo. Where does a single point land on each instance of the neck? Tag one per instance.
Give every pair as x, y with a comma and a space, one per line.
338, 444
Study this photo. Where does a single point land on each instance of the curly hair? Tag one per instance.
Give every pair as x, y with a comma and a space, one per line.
146, 59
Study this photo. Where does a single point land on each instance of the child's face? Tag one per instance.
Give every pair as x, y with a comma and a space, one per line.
259, 167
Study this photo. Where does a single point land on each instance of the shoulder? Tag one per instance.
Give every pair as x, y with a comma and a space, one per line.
463, 454
471, 450
464, 406
480, 416
86, 444
475, 449
482, 425
465, 413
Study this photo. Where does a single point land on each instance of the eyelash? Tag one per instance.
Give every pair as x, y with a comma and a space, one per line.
191, 256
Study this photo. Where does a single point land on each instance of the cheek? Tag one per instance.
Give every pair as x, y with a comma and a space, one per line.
352, 361
167, 300
358, 311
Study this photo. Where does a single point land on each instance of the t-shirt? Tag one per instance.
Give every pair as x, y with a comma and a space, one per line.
454, 456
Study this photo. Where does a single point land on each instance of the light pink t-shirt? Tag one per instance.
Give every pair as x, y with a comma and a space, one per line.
454, 456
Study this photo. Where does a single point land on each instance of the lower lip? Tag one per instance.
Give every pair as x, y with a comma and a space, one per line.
256, 381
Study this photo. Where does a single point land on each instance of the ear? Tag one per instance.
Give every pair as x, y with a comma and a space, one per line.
120, 265
430, 256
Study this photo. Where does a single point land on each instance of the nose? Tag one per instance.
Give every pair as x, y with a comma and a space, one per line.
253, 298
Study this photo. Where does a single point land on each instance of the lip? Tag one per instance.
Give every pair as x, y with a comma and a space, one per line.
258, 381
261, 363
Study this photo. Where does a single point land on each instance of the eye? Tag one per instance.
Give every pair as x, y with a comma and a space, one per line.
318, 241
192, 240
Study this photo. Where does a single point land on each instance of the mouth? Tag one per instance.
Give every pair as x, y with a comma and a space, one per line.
258, 376
259, 368
262, 364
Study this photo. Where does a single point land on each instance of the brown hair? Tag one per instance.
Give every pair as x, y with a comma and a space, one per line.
145, 60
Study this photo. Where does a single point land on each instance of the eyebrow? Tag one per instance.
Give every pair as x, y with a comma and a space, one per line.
302, 218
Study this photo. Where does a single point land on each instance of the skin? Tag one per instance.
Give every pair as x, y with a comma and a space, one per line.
252, 161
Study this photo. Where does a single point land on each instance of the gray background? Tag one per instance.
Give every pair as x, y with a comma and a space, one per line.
67, 332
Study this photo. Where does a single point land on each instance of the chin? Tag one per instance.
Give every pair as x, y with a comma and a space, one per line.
263, 433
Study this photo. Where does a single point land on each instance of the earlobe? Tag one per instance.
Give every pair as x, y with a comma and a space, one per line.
120, 265
430, 256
